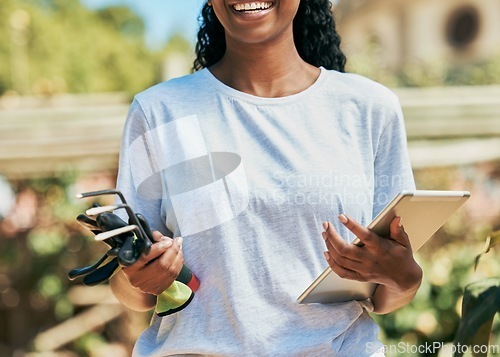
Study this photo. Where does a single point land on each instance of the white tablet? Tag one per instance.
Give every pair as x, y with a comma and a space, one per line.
422, 213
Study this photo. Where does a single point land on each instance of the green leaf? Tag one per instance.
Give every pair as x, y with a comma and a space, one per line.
480, 304
492, 240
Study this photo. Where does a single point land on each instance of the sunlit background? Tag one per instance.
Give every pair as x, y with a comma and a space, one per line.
68, 71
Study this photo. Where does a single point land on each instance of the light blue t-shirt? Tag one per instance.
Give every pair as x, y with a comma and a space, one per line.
247, 182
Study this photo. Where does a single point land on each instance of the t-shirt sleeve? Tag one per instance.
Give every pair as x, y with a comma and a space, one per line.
392, 168
136, 175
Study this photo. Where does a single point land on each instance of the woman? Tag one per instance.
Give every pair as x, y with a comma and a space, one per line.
247, 159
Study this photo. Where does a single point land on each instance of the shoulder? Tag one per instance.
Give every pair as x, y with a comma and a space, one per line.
172, 99
172, 90
363, 91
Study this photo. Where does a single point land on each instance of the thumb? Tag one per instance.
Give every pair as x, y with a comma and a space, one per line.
398, 232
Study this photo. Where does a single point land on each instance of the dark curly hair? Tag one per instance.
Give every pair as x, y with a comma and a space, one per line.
315, 36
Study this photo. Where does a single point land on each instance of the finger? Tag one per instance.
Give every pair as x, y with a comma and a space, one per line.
343, 261
157, 249
364, 234
336, 242
340, 270
158, 237
178, 263
398, 232
167, 259
333, 236
147, 275
170, 261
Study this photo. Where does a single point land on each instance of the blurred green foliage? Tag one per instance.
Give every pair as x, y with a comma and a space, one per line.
433, 73
481, 303
448, 264
35, 260
433, 316
57, 46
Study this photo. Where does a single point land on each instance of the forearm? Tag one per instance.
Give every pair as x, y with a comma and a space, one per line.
386, 299
129, 296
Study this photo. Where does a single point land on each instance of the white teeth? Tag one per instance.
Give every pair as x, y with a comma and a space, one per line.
253, 6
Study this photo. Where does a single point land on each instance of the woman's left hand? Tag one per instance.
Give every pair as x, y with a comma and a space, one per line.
385, 261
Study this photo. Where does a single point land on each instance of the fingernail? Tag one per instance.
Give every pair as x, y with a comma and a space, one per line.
400, 223
327, 255
325, 226
343, 219
164, 244
323, 234
164, 238
178, 241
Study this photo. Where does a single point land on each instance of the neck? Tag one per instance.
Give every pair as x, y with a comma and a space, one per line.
264, 70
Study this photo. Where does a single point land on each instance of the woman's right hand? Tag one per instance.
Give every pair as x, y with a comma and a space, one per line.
155, 272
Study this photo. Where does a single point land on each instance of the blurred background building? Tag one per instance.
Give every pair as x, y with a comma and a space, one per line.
404, 32
67, 76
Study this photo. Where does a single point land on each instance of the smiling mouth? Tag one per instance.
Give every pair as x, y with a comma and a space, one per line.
253, 6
